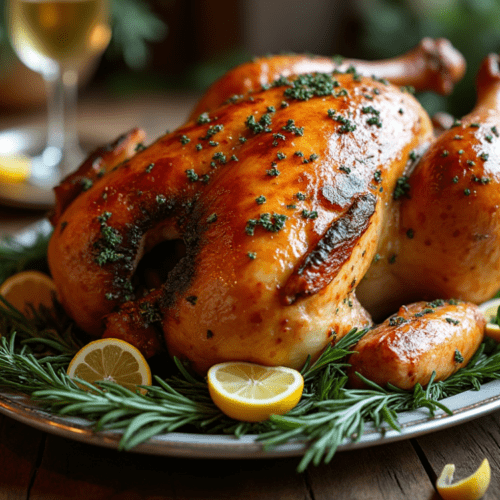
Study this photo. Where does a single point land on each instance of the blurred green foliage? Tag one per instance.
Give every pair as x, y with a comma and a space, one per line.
391, 27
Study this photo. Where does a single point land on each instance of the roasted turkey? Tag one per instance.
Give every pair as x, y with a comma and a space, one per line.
296, 182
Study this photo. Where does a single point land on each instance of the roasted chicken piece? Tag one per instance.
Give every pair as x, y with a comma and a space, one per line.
421, 340
444, 238
281, 197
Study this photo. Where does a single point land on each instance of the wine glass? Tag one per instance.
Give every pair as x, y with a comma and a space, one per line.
56, 38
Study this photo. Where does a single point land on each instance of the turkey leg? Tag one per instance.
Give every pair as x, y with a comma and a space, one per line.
434, 64
447, 242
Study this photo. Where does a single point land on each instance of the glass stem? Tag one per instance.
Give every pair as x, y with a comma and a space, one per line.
62, 127
55, 110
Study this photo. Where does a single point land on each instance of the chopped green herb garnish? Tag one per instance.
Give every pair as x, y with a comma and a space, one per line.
402, 188
273, 171
263, 125
192, 175
270, 222
203, 118
306, 214
291, 127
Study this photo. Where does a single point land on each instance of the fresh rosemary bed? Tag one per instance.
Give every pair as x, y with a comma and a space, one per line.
35, 352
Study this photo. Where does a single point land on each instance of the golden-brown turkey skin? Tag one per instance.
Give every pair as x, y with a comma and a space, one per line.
434, 64
420, 339
102, 160
269, 289
445, 241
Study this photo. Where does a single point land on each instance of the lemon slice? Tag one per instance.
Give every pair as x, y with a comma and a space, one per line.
471, 488
489, 310
113, 360
252, 393
14, 169
28, 287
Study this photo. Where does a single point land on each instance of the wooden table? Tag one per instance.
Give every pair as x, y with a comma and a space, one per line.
37, 465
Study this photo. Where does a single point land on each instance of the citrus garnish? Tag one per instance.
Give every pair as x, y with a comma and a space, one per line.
252, 393
471, 488
489, 310
13, 169
112, 360
28, 288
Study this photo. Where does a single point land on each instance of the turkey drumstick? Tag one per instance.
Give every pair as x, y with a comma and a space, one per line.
434, 65
446, 241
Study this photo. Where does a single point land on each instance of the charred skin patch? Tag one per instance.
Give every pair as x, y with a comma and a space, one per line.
320, 266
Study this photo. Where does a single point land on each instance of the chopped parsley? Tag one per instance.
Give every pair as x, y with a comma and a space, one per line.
291, 127
263, 125
192, 175
270, 222
109, 241
212, 130
402, 188
273, 171
306, 86
203, 118
306, 214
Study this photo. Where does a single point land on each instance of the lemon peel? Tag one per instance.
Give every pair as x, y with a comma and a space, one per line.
489, 310
252, 393
471, 488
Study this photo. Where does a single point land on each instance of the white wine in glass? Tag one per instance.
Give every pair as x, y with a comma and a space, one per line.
56, 38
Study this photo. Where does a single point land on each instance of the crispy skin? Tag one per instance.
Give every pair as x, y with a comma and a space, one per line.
445, 235
434, 64
102, 160
219, 303
420, 339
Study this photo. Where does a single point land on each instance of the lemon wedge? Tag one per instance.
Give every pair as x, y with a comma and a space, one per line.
489, 310
471, 488
28, 287
252, 393
113, 360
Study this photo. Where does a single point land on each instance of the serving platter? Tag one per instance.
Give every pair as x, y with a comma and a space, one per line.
465, 407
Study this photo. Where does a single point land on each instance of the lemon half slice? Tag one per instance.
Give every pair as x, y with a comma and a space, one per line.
113, 360
28, 287
489, 310
252, 393
471, 488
